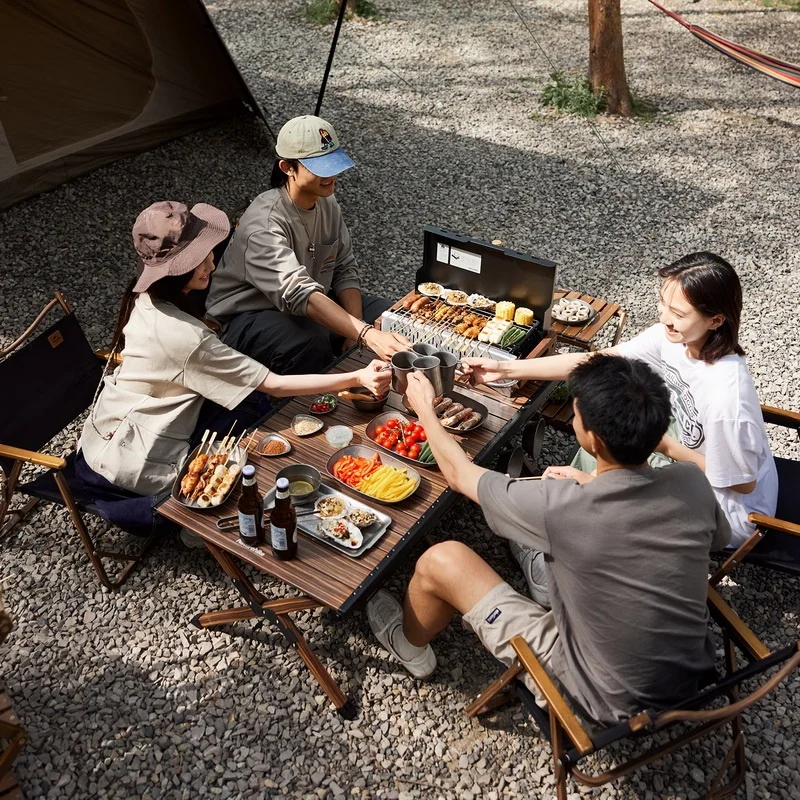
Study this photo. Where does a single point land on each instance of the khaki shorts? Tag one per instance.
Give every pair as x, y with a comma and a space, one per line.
504, 613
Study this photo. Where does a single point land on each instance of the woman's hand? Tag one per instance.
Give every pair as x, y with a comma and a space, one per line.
385, 343
482, 370
420, 392
375, 377
562, 473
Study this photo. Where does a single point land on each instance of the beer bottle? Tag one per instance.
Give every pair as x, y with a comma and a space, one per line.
283, 523
251, 523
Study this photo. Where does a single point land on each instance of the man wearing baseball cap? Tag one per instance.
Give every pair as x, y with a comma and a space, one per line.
287, 290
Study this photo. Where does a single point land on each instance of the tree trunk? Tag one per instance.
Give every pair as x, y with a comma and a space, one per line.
606, 64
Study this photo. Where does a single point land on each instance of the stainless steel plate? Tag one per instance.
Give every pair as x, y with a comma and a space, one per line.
308, 525
362, 451
457, 397
382, 419
238, 456
273, 437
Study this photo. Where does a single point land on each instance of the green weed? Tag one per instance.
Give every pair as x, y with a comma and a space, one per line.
323, 12
572, 94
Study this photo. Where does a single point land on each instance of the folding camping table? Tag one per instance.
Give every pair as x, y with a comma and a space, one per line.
323, 576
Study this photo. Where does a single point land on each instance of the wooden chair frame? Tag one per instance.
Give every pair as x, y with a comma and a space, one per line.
571, 742
764, 524
20, 457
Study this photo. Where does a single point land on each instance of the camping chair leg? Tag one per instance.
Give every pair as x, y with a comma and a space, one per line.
557, 743
496, 694
18, 514
739, 555
89, 546
735, 753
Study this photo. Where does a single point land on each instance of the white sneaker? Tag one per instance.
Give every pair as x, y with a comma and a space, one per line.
191, 540
385, 617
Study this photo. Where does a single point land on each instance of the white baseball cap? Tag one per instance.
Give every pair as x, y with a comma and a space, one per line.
314, 143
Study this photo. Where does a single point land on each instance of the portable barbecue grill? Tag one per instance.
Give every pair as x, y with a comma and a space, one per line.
477, 267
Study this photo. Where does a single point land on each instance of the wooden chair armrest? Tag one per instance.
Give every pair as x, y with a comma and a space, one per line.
730, 621
569, 722
780, 416
774, 524
32, 457
103, 353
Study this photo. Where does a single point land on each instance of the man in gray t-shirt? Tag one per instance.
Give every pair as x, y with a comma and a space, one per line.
627, 552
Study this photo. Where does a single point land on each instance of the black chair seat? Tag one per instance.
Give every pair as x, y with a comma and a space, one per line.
789, 490
44, 487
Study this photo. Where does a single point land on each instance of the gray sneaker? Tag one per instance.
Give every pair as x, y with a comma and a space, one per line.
385, 617
534, 568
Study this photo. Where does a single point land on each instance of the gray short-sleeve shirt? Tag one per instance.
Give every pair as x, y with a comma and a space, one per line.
628, 557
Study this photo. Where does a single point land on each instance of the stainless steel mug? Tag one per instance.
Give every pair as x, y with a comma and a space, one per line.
429, 367
401, 366
447, 370
425, 349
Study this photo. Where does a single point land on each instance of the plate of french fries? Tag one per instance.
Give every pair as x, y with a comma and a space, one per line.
210, 473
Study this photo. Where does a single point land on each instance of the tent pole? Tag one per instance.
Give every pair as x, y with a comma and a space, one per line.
339, 19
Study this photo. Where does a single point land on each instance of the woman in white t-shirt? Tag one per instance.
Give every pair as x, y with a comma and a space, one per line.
695, 347
176, 377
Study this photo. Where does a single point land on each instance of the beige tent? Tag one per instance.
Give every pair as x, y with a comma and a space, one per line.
85, 82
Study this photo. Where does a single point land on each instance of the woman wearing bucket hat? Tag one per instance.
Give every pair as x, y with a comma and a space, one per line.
287, 291
176, 378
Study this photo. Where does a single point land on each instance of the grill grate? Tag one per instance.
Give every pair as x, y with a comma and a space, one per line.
421, 329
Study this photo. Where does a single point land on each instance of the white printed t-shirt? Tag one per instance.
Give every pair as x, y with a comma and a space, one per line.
137, 435
718, 414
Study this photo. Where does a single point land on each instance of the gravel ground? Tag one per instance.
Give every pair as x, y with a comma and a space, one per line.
437, 103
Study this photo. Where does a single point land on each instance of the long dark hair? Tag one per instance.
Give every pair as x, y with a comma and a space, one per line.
169, 289
279, 177
712, 286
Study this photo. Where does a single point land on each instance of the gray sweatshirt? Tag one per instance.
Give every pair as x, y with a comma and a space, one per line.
269, 265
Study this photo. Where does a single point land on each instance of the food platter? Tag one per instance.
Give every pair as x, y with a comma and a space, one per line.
382, 419
265, 443
371, 534
466, 402
314, 424
369, 453
567, 319
237, 457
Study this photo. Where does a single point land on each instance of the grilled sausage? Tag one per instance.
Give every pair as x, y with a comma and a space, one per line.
442, 406
410, 302
452, 419
419, 304
470, 422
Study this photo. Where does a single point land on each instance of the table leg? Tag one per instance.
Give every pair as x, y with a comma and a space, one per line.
277, 612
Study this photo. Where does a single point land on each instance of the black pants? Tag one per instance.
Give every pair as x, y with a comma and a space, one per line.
291, 345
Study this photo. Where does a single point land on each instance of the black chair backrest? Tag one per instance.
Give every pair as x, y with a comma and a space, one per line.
46, 385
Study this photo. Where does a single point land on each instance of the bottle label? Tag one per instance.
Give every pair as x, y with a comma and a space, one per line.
278, 537
247, 525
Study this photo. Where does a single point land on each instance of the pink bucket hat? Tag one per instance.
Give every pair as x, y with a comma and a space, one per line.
172, 240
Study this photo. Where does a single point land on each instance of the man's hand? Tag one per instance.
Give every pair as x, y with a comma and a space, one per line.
385, 344
482, 370
420, 393
375, 378
568, 472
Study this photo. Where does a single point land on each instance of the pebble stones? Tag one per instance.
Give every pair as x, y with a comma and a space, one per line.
135, 701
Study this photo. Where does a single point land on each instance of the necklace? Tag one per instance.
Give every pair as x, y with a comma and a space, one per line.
311, 248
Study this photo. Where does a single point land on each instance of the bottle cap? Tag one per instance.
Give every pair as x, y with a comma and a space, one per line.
249, 471
283, 484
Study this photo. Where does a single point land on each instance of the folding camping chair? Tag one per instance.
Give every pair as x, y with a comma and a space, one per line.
46, 384
571, 742
775, 543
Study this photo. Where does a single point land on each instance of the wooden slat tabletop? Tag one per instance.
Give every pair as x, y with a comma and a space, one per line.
322, 573
583, 334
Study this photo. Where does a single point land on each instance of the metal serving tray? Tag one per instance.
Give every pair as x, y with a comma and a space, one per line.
308, 525
362, 451
238, 456
465, 401
382, 419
